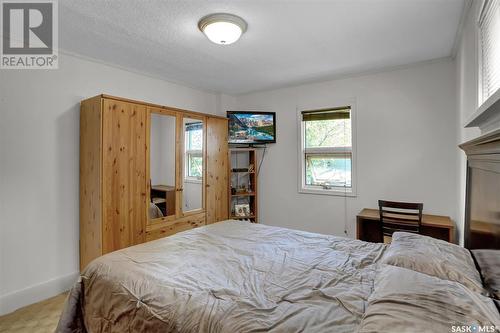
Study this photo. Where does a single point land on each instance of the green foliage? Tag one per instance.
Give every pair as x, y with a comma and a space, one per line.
195, 166
194, 139
329, 170
266, 129
328, 133
194, 145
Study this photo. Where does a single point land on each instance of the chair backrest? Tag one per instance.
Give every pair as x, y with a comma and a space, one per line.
400, 216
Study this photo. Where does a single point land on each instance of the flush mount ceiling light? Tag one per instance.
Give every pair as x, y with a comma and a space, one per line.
223, 29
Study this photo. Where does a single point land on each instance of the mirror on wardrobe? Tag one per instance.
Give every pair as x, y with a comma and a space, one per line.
192, 190
162, 166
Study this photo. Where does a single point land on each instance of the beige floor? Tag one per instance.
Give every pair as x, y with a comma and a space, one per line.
36, 318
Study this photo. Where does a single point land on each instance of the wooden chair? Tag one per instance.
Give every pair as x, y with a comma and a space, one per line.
399, 216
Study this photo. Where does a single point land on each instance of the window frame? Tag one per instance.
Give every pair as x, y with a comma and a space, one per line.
188, 153
334, 190
482, 103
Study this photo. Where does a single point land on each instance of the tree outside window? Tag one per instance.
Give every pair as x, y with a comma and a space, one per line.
194, 150
327, 158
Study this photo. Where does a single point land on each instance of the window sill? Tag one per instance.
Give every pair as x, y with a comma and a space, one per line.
339, 192
193, 180
487, 113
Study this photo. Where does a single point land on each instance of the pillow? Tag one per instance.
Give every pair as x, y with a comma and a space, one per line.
408, 301
434, 257
489, 266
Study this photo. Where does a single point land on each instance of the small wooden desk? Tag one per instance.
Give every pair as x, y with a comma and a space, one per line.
368, 226
164, 197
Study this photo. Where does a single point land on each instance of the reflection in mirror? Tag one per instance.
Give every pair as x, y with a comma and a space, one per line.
162, 166
192, 194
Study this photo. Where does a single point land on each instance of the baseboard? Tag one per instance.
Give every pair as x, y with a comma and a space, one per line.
36, 293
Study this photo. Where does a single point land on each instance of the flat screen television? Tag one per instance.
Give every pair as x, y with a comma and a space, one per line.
251, 127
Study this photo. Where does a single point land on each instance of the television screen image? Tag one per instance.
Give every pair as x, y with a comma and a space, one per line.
252, 127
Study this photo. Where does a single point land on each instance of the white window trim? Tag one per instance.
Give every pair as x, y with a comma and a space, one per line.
189, 179
336, 190
193, 180
187, 152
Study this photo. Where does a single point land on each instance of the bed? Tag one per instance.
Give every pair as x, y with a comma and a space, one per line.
228, 277
241, 277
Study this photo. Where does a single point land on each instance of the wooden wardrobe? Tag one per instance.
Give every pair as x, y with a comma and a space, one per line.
115, 175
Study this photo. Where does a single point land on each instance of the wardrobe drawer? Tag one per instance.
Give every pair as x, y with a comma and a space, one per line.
169, 228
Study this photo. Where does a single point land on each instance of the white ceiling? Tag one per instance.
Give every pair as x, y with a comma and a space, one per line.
287, 42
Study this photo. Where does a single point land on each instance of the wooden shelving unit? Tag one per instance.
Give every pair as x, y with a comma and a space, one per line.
243, 182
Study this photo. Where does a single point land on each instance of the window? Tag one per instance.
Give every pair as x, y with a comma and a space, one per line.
326, 154
489, 39
194, 151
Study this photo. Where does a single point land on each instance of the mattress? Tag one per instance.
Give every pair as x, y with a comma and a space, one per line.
489, 265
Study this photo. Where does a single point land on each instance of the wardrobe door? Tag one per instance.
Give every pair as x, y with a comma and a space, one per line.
163, 163
217, 186
124, 174
90, 180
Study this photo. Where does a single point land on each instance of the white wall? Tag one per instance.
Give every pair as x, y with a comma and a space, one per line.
406, 146
192, 195
467, 97
155, 167
39, 152
162, 156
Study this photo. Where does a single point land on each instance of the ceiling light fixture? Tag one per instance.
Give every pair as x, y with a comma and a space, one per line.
221, 28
